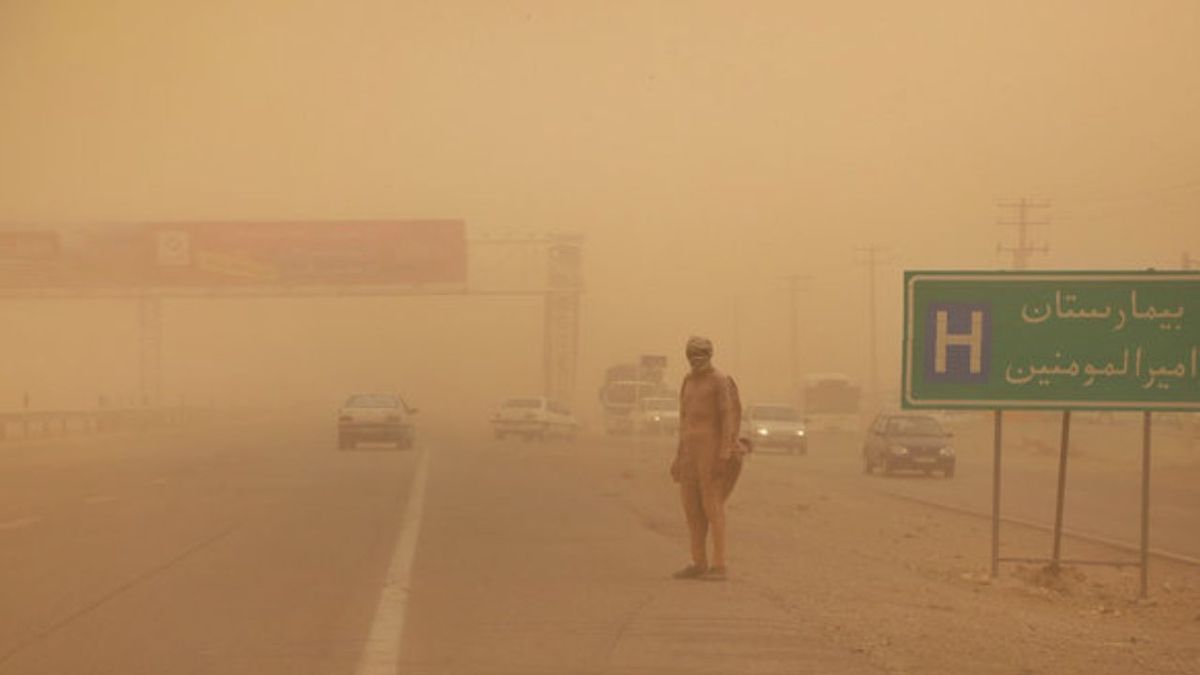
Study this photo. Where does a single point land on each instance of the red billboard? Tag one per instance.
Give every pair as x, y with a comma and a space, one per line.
248, 254
28, 246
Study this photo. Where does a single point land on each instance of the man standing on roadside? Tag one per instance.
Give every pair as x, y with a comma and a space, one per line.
708, 458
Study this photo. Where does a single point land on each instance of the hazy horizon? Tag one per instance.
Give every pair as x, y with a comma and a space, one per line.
706, 151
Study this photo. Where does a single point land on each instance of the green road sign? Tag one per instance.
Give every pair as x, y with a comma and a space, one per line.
1061, 340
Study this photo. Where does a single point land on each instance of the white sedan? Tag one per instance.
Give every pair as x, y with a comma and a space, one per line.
375, 417
533, 417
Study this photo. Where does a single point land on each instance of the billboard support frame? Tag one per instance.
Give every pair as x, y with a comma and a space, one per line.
216, 260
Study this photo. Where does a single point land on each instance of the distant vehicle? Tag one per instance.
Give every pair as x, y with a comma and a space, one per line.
627, 383
534, 417
657, 415
777, 426
832, 402
908, 441
375, 418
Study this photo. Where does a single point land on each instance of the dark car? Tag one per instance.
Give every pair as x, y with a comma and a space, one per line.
908, 441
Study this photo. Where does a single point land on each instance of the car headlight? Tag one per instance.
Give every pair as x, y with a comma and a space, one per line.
897, 449
946, 451
656, 418
761, 431
799, 432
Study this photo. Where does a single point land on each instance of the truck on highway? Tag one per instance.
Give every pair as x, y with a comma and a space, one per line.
625, 386
831, 402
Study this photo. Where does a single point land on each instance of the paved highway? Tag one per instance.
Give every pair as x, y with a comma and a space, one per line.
259, 548
252, 549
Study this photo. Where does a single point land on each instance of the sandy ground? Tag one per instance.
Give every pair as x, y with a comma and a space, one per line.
551, 558
906, 586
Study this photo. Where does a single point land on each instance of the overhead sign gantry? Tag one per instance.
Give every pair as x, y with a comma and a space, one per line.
153, 261
272, 257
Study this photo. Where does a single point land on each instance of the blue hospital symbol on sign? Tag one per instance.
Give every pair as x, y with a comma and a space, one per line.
958, 342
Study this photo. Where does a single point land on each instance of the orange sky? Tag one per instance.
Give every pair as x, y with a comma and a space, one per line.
705, 149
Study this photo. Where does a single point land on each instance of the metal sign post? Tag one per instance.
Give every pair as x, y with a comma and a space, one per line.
1060, 498
1054, 341
1145, 559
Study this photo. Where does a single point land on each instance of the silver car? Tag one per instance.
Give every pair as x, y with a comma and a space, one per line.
775, 426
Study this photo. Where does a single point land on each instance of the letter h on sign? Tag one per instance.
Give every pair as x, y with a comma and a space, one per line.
958, 342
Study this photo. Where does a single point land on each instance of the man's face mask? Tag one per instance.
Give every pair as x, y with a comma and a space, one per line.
698, 358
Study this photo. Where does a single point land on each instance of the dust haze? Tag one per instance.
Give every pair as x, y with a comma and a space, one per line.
705, 152
709, 154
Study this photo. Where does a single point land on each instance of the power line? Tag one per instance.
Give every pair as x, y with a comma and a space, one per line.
796, 283
872, 261
1025, 246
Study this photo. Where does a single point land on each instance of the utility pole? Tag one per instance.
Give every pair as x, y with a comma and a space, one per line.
796, 283
561, 342
872, 261
150, 354
736, 363
1025, 246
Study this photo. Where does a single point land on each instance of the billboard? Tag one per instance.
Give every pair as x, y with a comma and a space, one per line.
1052, 340
28, 246
216, 255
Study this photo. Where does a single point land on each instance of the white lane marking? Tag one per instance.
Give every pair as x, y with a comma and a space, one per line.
381, 654
18, 523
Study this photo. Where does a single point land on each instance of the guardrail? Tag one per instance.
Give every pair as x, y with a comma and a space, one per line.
61, 423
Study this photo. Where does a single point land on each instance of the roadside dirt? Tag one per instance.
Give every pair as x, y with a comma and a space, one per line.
907, 587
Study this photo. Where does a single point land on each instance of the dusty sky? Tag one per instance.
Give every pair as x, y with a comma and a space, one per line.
707, 150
